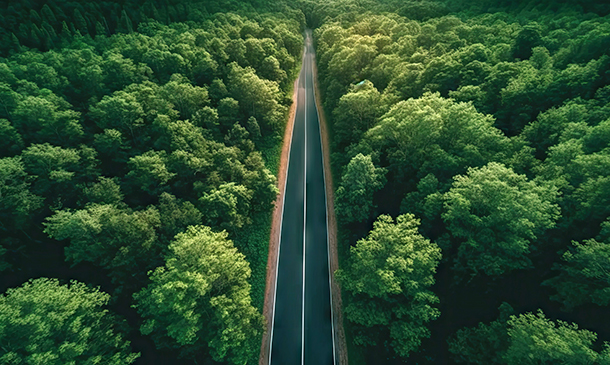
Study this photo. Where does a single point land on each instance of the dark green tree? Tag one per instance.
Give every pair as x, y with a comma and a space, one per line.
584, 276
354, 197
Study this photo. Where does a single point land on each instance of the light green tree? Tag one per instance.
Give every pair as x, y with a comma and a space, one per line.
228, 206
47, 119
43, 322
200, 300
534, 339
356, 112
388, 276
149, 172
257, 97
434, 135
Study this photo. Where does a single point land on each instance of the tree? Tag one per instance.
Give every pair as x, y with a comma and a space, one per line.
43, 322
119, 71
12, 141
47, 120
584, 276
105, 191
187, 99
484, 344
257, 97
528, 38
494, 217
526, 339
228, 206
121, 111
200, 300
118, 239
356, 112
387, 277
17, 202
176, 215
58, 171
149, 172
434, 135
360, 181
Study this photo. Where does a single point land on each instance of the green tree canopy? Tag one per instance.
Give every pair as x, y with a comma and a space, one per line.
356, 112
494, 217
584, 276
118, 239
354, 197
526, 339
434, 135
17, 202
387, 277
200, 300
43, 322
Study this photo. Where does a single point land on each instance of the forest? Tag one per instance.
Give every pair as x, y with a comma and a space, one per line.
470, 145
471, 149
139, 138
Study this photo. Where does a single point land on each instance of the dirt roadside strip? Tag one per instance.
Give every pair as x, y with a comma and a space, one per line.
340, 343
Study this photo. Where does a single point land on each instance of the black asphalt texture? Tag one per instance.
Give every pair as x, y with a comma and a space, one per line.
291, 342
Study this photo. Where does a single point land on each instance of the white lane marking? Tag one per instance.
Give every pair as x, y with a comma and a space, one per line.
279, 244
332, 316
304, 223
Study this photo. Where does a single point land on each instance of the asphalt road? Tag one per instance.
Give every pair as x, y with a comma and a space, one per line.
302, 330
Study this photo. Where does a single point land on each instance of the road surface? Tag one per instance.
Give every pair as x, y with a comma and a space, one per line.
301, 330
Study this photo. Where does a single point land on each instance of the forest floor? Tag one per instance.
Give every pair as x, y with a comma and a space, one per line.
339, 334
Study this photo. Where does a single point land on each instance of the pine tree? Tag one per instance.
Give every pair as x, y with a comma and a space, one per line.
49, 16
125, 25
80, 22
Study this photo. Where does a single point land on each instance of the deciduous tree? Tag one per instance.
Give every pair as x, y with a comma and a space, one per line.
200, 300
43, 322
388, 276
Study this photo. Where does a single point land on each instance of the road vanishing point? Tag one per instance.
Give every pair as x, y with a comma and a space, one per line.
302, 328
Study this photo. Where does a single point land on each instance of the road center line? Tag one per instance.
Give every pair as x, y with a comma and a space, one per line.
304, 222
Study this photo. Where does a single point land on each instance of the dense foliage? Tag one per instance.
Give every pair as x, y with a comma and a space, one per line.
388, 279
124, 123
43, 322
488, 121
470, 144
200, 299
